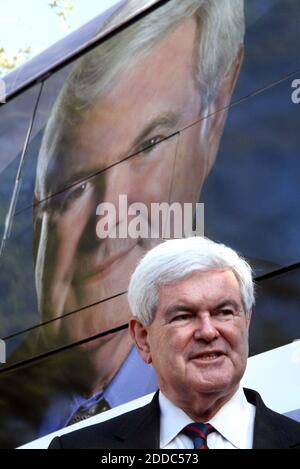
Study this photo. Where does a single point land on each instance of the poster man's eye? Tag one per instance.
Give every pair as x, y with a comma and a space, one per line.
76, 191
74, 194
148, 145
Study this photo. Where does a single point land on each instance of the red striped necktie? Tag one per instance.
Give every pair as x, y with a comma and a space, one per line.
198, 433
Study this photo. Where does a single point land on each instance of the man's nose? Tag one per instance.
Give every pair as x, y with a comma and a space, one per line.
206, 329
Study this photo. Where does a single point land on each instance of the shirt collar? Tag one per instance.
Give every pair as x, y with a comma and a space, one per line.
172, 420
236, 430
234, 420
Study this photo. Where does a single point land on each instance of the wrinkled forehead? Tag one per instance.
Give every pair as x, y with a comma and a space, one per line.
214, 284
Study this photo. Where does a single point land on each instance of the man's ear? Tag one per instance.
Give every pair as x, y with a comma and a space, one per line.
249, 316
218, 108
139, 335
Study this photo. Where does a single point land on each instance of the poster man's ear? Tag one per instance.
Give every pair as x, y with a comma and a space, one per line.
218, 108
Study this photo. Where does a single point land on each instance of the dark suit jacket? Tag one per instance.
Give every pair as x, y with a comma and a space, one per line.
139, 429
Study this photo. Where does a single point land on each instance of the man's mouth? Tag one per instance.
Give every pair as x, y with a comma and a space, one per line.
208, 356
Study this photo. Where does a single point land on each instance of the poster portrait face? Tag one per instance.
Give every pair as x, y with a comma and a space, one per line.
83, 268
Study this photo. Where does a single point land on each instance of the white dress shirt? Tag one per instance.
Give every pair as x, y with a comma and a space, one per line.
234, 425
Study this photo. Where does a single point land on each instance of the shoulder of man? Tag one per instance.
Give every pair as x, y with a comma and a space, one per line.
138, 428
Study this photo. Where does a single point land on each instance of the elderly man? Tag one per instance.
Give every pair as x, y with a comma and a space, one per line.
191, 301
129, 120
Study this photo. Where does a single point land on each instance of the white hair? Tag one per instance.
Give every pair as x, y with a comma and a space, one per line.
174, 260
220, 29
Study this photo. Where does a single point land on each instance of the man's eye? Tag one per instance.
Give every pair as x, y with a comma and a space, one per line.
72, 194
226, 312
78, 190
181, 317
63, 201
148, 144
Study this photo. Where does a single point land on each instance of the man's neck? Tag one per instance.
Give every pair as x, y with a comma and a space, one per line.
201, 407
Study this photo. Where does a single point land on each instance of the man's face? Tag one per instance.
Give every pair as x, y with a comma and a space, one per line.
154, 98
198, 340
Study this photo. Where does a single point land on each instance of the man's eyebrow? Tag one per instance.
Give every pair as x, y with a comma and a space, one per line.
230, 302
78, 177
184, 307
167, 120
175, 308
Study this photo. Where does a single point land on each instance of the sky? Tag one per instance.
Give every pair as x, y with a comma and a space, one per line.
33, 23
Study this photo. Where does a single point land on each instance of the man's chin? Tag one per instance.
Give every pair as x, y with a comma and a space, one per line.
222, 386
212, 381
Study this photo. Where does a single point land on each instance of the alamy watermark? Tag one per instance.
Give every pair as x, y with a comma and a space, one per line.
2, 91
296, 93
2, 351
154, 221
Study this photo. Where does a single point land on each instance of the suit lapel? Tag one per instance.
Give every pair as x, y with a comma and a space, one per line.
271, 430
141, 429
265, 435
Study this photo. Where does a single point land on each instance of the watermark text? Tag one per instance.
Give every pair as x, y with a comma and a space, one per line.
153, 221
296, 92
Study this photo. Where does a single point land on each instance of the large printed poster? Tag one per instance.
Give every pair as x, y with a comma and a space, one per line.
176, 107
